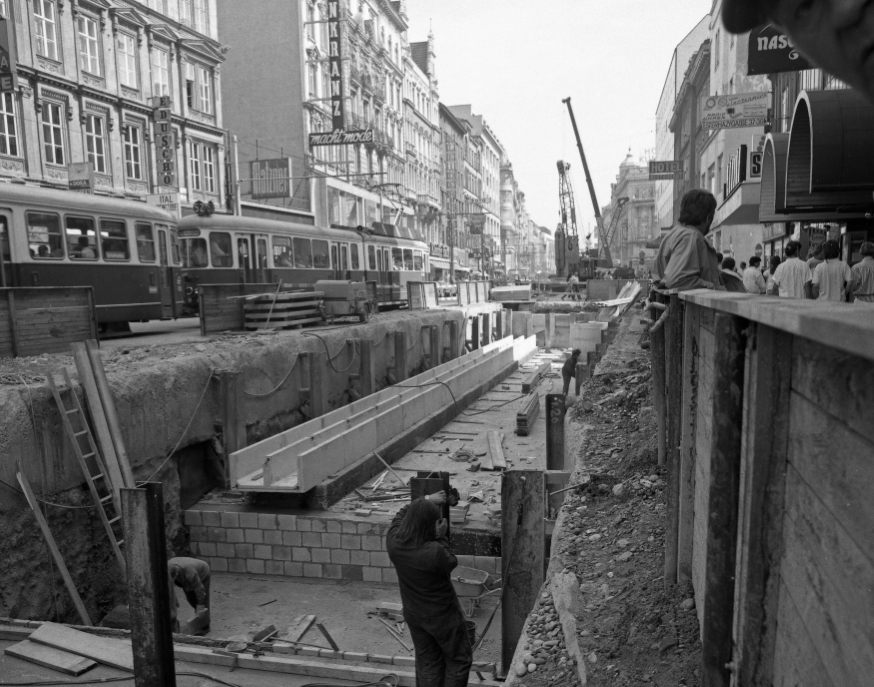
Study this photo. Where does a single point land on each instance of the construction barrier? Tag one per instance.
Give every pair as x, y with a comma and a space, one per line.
45, 319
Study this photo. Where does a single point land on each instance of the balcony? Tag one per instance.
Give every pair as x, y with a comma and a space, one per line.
354, 73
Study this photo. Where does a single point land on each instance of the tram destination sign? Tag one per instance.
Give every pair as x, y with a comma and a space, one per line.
665, 169
341, 138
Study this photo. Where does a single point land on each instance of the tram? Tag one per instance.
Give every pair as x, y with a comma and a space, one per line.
220, 249
127, 251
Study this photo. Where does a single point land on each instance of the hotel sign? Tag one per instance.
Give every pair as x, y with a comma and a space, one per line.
735, 111
772, 52
335, 65
271, 178
665, 169
165, 141
340, 138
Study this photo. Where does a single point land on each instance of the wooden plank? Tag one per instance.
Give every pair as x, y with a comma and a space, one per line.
53, 547
796, 659
760, 516
686, 496
496, 452
724, 458
233, 424
49, 657
532, 379
13, 325
674, 333
111, 652
657, 356
299, 627
524, 540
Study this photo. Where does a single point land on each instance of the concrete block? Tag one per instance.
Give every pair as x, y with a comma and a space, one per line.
304, 525
272, 537
267, 521
371, 574
330, 653
286, 522
255, 566
292, 538
263, 552
300, 554
281, 553
248, 520
349, 527
254, 536
335, 526
236, 565
217, 534
217, 564
321, 555
340, 556
236, 536
312, 539
244, 550
389, 576
466, 561
225, 550
206, 548
371, 542
198, 533
379, 658
380, 558
293, 569
359, 557
403, 660
355, 656
191, 517
332, 571
350, 541
210, 518
367, 528
486, 563
230, 520
312, 570
331, 540
319, 525
273, 568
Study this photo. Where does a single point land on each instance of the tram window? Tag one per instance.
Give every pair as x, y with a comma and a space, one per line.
81, 238
356, 264
371, 258
344, 256
397, 258
335, 259
418, 263
220, 249
145, 242
194, 253
282, 255
113, 240
174, 243
321, 256
303, 253
408, 259
44, 235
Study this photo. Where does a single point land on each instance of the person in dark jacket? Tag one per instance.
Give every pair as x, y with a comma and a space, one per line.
419, 550
569, 369
192, 575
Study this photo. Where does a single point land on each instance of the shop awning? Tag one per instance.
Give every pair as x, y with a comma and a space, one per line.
440, 263
741, 207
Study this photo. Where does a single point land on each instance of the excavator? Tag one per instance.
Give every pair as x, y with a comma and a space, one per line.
567, 243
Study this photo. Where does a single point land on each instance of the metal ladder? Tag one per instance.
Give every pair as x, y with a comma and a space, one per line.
102, 490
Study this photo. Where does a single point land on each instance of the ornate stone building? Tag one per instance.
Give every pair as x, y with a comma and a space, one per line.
638, 224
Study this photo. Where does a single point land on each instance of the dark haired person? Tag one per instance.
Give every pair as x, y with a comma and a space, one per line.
815, 258
793, 274
753, 279
730, 278
863, 276
685, 259
773, 263
192, 575
419, 550
832, 276
569, 369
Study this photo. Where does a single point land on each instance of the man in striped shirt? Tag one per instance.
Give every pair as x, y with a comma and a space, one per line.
832, 276
862, 282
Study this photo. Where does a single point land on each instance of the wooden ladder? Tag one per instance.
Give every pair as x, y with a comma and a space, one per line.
104, 493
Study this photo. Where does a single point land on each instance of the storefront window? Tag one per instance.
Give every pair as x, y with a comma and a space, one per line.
303, 253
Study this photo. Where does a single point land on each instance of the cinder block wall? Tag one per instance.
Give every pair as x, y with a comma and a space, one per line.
299, 546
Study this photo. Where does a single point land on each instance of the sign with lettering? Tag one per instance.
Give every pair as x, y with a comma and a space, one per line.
665, 169
737, 170
169, 202
80, 176
476, 224
340, 138
165, 141
735, 111
271, 178
335, 65
8, 77
771, 52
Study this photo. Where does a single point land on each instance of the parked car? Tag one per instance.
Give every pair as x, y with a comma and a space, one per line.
446, 289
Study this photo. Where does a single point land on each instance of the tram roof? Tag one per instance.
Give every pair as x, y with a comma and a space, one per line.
83, 202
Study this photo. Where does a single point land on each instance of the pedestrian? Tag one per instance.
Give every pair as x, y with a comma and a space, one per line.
752, 276
773, 263
831, 277
743, 266
834, 34
815, 258
569, 369
719, 258
730, 277
862, 282
791, 277
685, 259
192, 575
420, 552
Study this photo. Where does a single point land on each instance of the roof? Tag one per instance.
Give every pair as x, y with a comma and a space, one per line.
419, 53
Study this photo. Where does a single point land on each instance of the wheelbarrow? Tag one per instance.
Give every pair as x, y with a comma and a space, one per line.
471, 585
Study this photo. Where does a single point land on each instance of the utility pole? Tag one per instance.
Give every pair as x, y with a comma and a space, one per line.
236, 187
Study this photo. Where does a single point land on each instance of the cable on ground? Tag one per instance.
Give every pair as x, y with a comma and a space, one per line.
419, 386
389, 680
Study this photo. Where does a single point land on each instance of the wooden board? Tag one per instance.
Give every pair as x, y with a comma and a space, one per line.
532, 379
299, 627
496, 451
50, 657
111, 652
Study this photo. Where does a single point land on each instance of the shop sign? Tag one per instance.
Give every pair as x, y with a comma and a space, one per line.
80, 176
737, 170
341, 138
439, 250
771, 52
335, 65
8, 76
169, 202
475, 224
735, 111
165, 141
773, 230
271, 178
665, 169
757, 153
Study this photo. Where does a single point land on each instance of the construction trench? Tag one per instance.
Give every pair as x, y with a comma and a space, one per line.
279, 556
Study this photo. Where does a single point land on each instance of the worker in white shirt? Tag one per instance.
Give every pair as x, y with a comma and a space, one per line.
792, 274
862, 281
752, 276
831, 277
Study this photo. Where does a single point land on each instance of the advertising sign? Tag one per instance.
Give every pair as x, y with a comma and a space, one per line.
8, 77
169, 202
165, 141
271, 178
735, 111
340, 138
737, 170
757, 152
81, 176
476, 224
665, 169
335, 65
771, 52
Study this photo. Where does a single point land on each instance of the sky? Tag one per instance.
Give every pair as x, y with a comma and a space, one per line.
515, 60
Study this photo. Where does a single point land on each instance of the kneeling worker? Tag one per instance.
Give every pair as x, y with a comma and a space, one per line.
192, 575
569, 369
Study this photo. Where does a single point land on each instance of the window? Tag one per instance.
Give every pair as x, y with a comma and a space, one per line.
408, 259
201, 16
282, 253
114, 240
44, 18
145, 242
202, 167
127, 60
371, 258
204, 90
220, 249
189, 84
303, 253
716, 52
44, 235
418, 261
8, 132
397, 258
81, 238
313, 80
53, 133
321, 257
311, 17
89, 49
160, 72
185, 12
194, 252
94, 142
132, 137
785, 110
356, 263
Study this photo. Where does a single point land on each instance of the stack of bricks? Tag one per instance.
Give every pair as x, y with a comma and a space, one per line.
299, 546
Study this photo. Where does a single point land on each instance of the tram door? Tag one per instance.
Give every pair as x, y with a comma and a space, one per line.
5, 252
339, 259
252, 254
165, 276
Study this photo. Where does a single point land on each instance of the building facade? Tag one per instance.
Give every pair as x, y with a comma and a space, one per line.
88, 72
636, 225
450, 256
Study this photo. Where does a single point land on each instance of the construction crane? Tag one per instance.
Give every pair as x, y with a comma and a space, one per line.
567, 240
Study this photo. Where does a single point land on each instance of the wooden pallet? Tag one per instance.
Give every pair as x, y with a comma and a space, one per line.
528, 415
532, 379
283, 310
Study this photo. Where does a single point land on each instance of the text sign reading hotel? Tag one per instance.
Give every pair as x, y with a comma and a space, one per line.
665, 169
735, 111
335, 65
271, 178
165, 141
340, 138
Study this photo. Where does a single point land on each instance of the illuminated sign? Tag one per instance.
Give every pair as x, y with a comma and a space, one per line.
340, 138
165, 141
772, 52
335, 65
